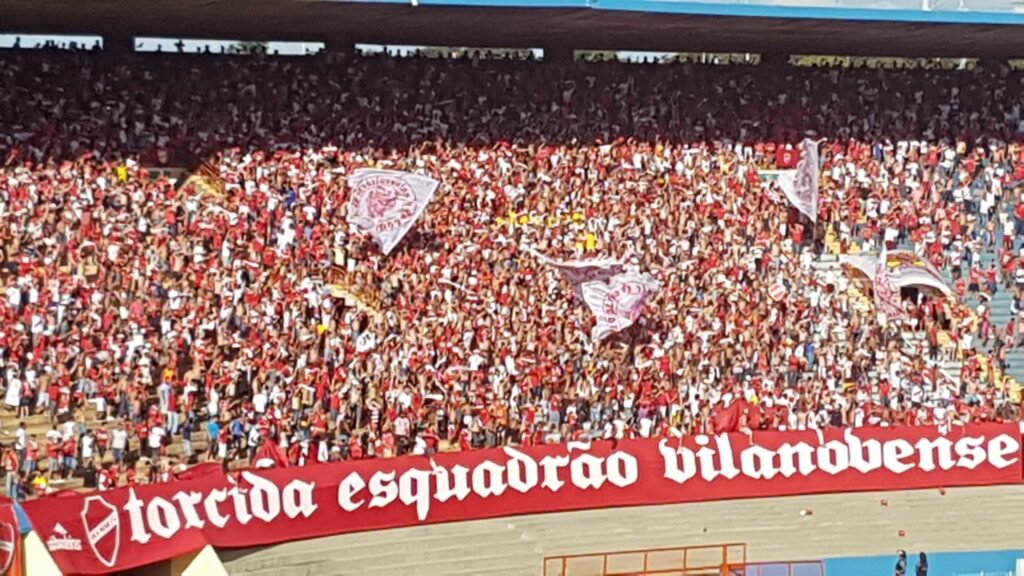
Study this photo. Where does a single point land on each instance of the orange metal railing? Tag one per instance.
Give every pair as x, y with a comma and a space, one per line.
714, 560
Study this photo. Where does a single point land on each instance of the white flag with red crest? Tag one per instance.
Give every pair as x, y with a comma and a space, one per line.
801, 185
579, 272
385, 203
778, 291
618, 303
887, 293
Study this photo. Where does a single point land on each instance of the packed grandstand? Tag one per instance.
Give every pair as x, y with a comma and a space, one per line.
161, 322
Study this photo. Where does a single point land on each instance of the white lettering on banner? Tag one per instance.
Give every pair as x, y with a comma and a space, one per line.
298, 499
163, 518
864, 456
263, 501
382, 486
187, 501
895, 451
65, 543
971, 452
521, 473
551, 465
487, 479
586, 472
795, 459
445, 491
241, 510
835, 456
212, 509
138, 525
348, 488
622, 469
709, 457
414, 488
1000, 448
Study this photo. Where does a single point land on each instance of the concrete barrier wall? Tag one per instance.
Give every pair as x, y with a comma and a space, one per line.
960, 519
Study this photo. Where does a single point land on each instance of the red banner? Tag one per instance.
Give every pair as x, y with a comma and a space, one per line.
11, 561
120, 529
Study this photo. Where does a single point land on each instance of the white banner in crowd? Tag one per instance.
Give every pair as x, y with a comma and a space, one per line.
905, 269
887, 294
579, 272
912, 270
801, 185
863, 262
619, 302
385, 203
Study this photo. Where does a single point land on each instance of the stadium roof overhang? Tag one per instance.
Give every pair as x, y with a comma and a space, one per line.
589, 24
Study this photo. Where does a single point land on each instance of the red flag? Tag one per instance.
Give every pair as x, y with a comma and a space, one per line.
201, 471
270, 455
11, 561
728, 419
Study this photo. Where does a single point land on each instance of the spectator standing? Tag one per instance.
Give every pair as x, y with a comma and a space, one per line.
102, 441
69, 451
922, 564
11, 468
21, 440
119, 443
186, 441
156, 441
31, 455
88, 448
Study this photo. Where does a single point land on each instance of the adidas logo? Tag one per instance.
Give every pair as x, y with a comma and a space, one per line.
60, 540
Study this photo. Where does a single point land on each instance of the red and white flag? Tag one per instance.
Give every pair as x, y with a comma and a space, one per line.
385, 204
579, 272
778, 291
887, 293
619, 302
905, 268
801, 185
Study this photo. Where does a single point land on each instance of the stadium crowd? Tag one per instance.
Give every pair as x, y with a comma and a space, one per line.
208, 310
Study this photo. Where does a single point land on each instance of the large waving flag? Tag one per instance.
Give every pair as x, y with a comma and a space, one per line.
579, 272
904, 267
385, 204
618, 303
887, 293
801, 185
909, 269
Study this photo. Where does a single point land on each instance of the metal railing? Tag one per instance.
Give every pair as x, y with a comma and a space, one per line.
713, 560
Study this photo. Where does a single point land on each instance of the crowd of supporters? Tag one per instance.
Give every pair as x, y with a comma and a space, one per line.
244, 309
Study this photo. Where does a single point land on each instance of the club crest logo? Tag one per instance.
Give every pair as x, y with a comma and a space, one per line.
103, 529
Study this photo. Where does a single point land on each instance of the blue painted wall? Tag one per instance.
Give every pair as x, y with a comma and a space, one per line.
940, 564
999, 12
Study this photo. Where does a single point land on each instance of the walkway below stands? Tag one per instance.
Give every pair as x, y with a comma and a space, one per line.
774, 529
